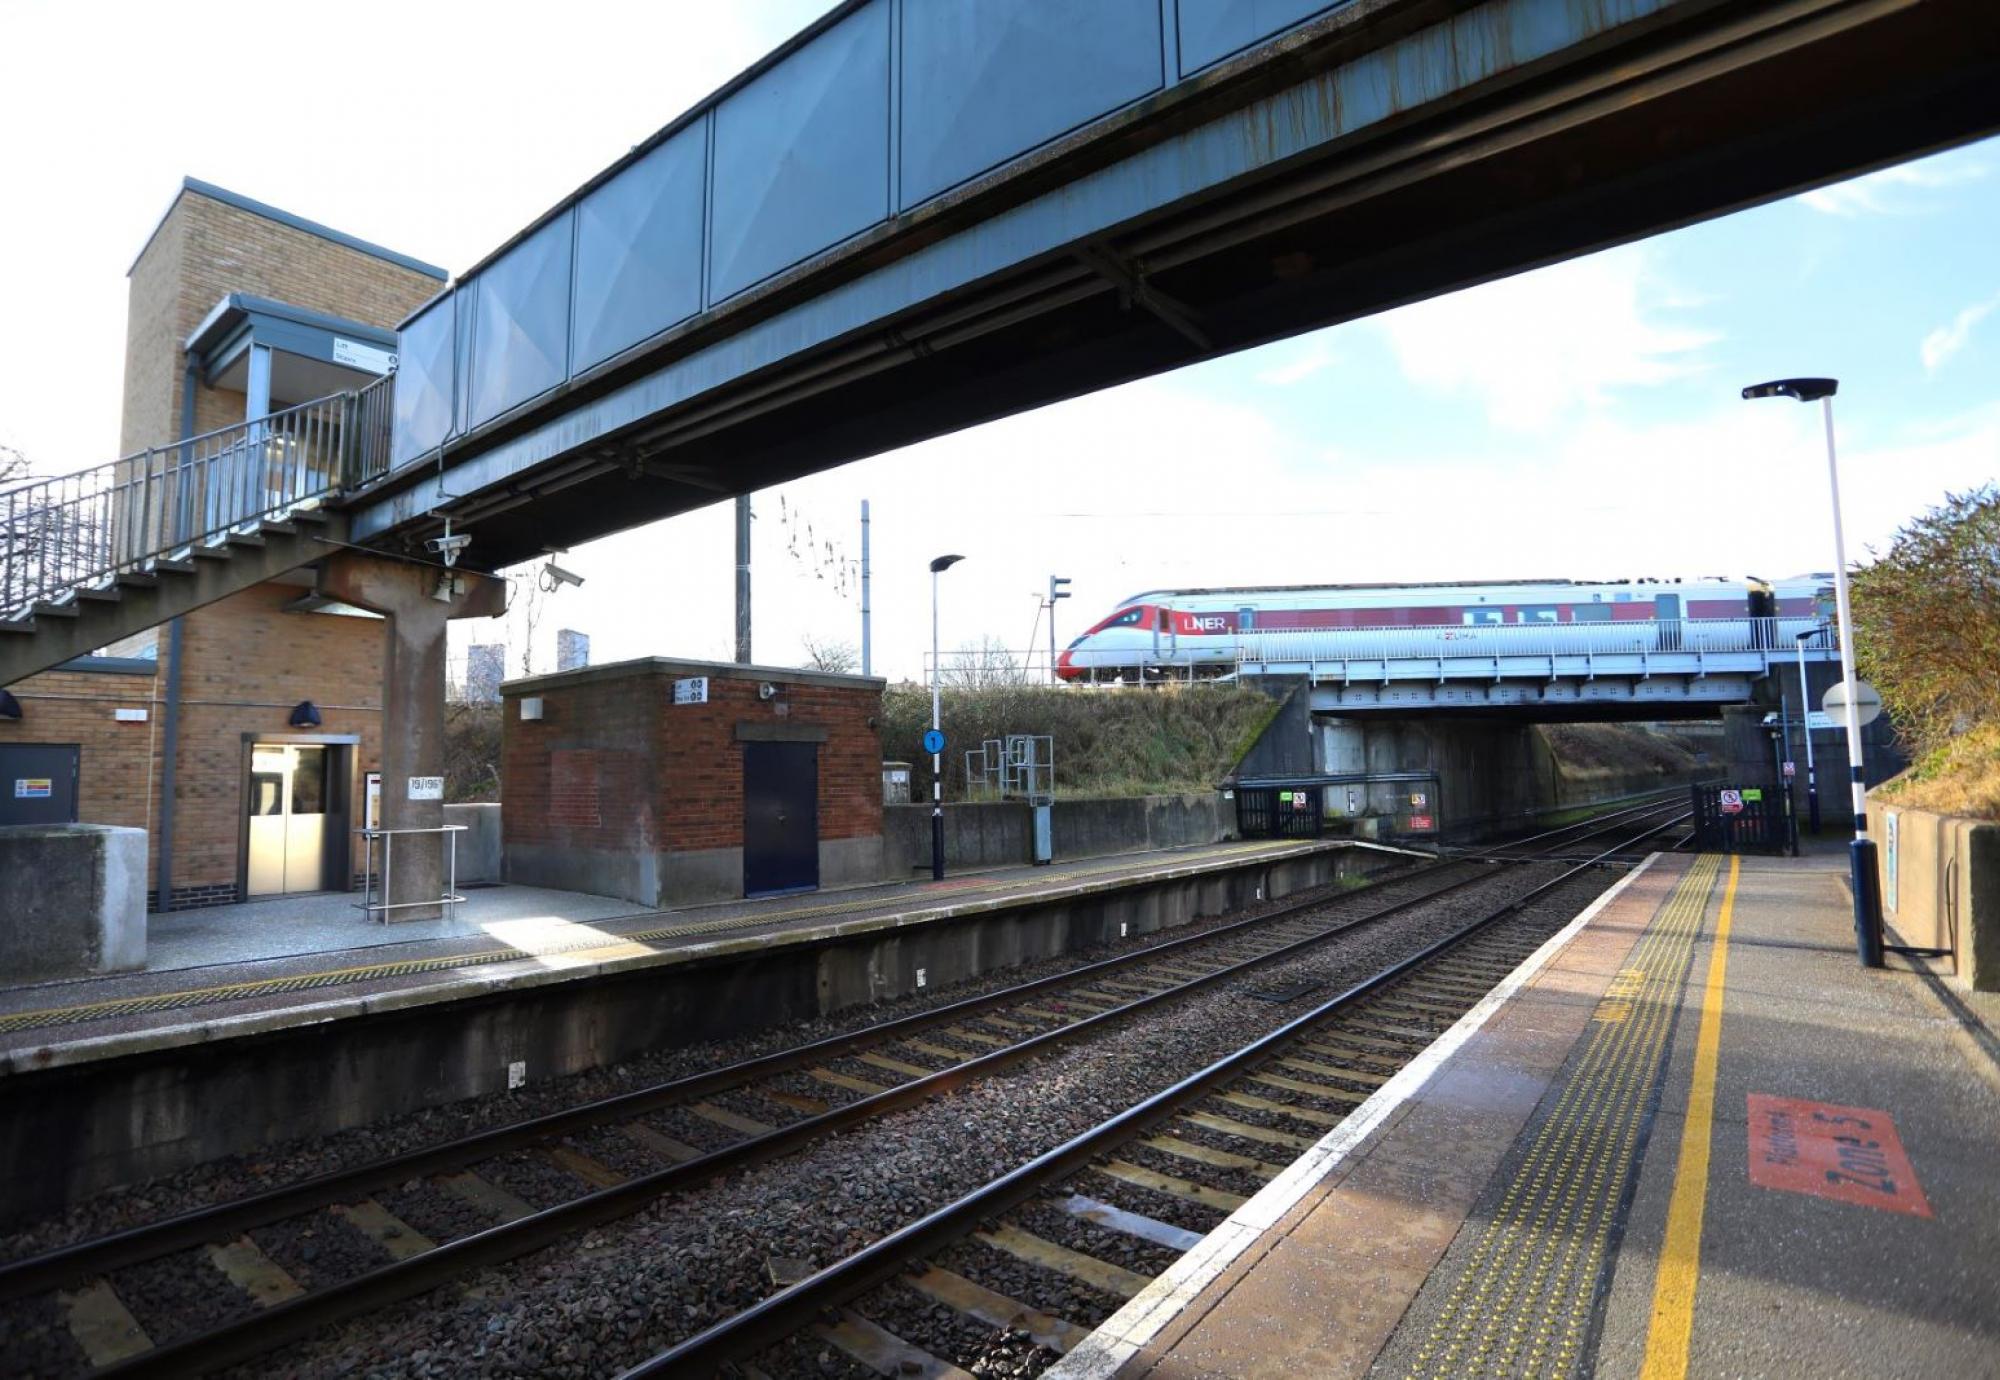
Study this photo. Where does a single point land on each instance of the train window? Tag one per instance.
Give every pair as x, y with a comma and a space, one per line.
1483, 617
1590, 613
1246, 619
1129, 618
1537, 613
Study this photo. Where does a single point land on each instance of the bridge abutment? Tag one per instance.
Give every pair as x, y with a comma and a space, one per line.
418, 601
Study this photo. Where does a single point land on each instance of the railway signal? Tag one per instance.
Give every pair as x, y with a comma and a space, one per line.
1058, 589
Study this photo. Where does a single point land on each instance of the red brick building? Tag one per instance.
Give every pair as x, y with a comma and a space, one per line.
236, 310
666, 782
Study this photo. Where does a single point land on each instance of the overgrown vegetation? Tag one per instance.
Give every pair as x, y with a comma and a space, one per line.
1109, 742
1927, 635
471, 753
1583, 751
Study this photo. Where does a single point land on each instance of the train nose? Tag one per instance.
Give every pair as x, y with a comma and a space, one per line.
1066, 667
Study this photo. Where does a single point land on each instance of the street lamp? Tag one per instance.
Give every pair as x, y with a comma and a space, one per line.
938, 567
1861, 853
1805, 715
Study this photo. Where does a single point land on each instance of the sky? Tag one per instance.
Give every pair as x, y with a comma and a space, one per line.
1580, 421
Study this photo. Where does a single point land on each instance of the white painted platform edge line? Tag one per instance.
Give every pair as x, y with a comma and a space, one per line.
1119, 1337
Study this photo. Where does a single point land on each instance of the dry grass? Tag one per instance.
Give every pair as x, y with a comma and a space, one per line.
1583, 750
1960, 778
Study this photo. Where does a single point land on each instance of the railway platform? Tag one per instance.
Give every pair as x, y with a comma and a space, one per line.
1689, 1136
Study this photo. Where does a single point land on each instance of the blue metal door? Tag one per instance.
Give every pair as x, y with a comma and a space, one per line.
780, 818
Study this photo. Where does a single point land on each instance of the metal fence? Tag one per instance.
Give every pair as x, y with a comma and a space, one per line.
1741, 819
1272, 812
1487, 642
77, 529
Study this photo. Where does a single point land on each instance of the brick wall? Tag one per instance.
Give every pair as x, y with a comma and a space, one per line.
615, 765
206, 249
245, 662
115, 779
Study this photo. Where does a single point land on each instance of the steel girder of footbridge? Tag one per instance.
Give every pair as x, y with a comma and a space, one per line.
916, 217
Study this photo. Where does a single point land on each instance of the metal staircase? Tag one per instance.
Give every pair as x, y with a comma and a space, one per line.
92, 557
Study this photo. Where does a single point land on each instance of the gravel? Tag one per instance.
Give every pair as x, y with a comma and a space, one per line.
319, 1249
433, 1212
982, 1348
1043, 1290
531, 1177
179, 1294
1052, 1223
36, 1343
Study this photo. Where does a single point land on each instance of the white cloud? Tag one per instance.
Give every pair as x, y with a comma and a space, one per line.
1533, 348
1314, 358
1946, 341
1895, 191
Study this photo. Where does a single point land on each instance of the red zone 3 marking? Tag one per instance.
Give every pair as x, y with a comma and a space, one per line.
1849, 1154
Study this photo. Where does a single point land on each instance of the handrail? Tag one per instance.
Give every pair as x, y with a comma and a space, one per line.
75, 530
1499, 641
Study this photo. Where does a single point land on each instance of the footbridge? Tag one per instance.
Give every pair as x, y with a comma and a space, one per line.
1556, 672
915, 217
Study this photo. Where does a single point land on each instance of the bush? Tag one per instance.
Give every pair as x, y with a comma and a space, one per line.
471, 753
1107, 742
1927, 621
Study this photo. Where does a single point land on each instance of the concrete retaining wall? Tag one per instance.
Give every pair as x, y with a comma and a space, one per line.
138, 1115
999, 834
479, 845
1941, 887
74, 900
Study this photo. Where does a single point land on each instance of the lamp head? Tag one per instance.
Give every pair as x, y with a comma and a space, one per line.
944, 563
1805, 390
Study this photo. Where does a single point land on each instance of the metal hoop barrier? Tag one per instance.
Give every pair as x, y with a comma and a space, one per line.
378, 910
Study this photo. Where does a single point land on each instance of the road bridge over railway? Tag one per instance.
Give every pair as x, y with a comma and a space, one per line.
1540, 671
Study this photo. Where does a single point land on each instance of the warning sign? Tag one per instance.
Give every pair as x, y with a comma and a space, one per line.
1421, 822
1849, 1154
33, 787
1730, 802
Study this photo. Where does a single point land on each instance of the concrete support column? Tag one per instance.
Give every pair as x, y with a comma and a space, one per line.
418, 600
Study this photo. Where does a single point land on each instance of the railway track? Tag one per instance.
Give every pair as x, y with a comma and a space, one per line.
522, 1187
996, 1267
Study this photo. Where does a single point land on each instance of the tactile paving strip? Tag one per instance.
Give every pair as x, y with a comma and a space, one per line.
600, 939
1522, 1305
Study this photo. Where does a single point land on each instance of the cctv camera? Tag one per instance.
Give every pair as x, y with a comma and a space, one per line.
449, 546
554, 575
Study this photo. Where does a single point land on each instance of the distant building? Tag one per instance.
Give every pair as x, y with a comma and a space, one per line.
485, 668
572, 650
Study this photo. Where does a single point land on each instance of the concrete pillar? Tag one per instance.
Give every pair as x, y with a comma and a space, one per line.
418, 600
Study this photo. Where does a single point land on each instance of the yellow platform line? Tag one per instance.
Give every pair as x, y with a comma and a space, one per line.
185, 998
1523, 1301
1680, 1255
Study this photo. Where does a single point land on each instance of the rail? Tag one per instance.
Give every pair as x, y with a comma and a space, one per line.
74, 530
1488, 642
379, 910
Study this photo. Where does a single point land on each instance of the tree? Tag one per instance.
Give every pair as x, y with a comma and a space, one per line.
835, 658
981, 666
1927, 620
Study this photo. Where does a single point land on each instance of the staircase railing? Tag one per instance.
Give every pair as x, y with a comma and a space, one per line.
80, 529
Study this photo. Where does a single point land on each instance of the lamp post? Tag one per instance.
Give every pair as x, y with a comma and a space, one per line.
1805, 714
938, 567
1861, 853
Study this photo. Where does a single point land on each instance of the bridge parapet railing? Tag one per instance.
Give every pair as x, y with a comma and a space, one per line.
1492, 642
77, 529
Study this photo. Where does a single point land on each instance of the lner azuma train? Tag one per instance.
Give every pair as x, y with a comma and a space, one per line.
1179, 634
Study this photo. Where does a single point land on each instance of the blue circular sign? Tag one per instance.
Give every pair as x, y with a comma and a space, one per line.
933, 741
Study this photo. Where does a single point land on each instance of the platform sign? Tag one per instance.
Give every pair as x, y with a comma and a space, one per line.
1866, 698
1848, 1154
933, 741
1422, 822
1791, 770
692, 690
427, 788
1752, 794
1730, 802
34, 787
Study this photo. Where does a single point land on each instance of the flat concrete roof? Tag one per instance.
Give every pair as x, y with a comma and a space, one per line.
678, 668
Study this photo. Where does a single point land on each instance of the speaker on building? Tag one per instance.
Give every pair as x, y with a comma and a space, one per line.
305, 714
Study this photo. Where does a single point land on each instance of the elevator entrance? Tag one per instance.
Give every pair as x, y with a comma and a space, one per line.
287, 805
